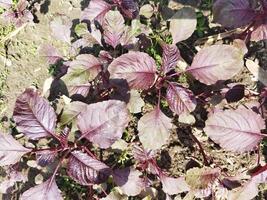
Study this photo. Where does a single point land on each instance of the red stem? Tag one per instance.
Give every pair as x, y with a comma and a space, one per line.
201, 149
262, 169
59, 164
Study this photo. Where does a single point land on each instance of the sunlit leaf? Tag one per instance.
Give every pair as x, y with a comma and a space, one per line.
154, 129
183, 24
34, 116
180, 100
170, 57
129, 181
86, 170
103, 123
96, 11
10, 150
237, 130
201, 178
217, 62
44, 191
137, 68
113, 28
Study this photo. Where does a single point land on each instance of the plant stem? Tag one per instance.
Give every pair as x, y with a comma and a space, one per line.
57, 168
206, 162
259, 154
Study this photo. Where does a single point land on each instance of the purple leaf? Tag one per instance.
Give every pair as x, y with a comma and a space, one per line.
44, 191
34, 116
250, 189
61, 29
80, 89
246, 192
96, 11
45, 157
113, 28
50, 53
233, 13
130, 37
105, 57
11, 150
180, 100
142, 155
154, 129
5, 3
85, 67
129, 181
20, 15
170, 57
13, 177
260, 31
71, 112
86, 170
201, 178
217, 62
235, 93
173, 186
129, 8
183, 24
137, 68
103, 123
236, 130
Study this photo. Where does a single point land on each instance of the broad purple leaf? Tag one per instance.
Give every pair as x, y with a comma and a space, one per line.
80, 89
50, 53
142, 155
61, 29
180, 100
10, 150
71, 112
96, 11
20, 15
183, 24
5, 3
85, 67
246, 192
154, 129
137, 68
236, 130
173, 186
129, 180
250, 189
170, 57
86, 170
260, 31
45, 191
129, 8
34, 116
103, 123
217, 62
46, 157
12, 178
105, 57
233, 13
113, 28
235, 93
201, 178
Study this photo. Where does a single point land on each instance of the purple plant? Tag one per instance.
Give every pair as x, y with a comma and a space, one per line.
16, 14
104, 87
235, 14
